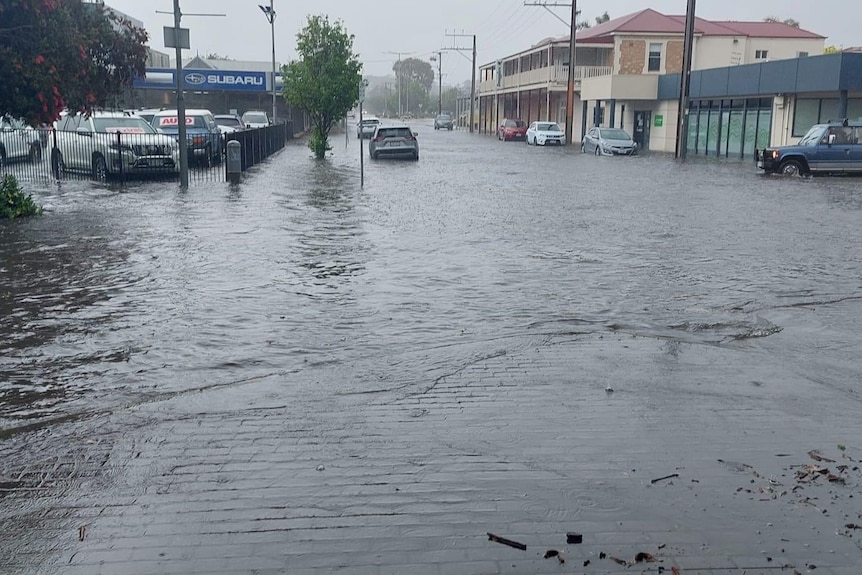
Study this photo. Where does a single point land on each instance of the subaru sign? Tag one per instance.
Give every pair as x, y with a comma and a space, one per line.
206, 80
226, 80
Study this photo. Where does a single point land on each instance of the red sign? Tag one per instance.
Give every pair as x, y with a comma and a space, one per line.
174, 121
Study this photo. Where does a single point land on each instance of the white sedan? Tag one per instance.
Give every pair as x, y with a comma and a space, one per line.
544, 133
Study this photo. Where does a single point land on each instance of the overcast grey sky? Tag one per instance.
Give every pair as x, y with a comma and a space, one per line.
417, 28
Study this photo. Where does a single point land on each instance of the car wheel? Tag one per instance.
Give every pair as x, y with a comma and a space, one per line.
416, 157
374, 156
598, 151
100, 169
35, 153
792, 168
450, 128
583, 148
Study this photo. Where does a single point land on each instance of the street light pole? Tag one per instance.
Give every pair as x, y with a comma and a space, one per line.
439, 58
269, 11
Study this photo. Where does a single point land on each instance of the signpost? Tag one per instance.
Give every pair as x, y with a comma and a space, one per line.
362, 86
659, 120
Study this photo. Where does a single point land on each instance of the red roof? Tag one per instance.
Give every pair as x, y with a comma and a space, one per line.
649, 21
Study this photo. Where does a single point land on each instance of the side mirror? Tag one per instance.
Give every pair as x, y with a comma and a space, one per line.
831, 139
415, 134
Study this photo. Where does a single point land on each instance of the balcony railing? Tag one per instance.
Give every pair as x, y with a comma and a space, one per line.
557, 75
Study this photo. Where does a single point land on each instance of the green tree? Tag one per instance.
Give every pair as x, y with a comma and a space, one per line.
831, 50
603, 18
324, 81
413, 70
450, 99
64, 54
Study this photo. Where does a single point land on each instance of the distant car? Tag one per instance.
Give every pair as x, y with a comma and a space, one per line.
394, 140
444, 122
229, 123
256, 119
203, 136
147, 114
18, 142
366, 126
512, 130
834, 148
608, 142
545, 134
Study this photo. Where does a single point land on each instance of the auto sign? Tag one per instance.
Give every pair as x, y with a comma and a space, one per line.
174, 121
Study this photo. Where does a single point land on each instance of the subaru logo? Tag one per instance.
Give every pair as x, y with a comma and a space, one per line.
196, 79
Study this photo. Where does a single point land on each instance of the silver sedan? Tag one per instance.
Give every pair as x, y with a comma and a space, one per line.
609, 142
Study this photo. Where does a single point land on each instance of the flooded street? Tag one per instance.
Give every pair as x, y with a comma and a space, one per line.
300, 373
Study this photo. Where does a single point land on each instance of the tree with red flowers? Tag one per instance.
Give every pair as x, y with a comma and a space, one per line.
64, 54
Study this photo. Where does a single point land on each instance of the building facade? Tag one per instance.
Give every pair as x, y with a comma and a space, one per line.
618, 67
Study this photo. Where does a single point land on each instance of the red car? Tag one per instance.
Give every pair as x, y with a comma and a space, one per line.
512, 130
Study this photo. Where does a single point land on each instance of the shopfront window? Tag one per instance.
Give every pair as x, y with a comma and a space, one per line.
654, 63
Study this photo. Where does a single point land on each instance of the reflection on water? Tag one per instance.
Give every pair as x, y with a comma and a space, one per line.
115, 296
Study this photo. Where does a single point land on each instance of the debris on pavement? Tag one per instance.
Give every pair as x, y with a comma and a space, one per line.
554, 553
671, 476
815, 455
504, 541
573, 538
644, 557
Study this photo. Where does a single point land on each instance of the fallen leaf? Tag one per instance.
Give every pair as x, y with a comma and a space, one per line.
618, 561
835, 479
551, 553
675, 570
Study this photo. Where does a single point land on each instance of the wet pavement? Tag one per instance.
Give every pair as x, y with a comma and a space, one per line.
299, 375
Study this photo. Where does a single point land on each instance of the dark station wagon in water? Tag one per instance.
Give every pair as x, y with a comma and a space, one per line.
832, 148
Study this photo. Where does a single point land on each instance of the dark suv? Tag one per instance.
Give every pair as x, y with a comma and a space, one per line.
835, 147
444, 122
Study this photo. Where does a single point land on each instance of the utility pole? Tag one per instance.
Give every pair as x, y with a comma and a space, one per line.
181, 102
178, 38
685, 82
570, 88
473, 80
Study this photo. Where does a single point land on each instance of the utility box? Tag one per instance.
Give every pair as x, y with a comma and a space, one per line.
234, 161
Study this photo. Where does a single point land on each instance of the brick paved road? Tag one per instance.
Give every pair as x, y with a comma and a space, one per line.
224, 451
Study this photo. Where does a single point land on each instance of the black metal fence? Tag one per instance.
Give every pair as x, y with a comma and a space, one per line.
47, 154
259, 144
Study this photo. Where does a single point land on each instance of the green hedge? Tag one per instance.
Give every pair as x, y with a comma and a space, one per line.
14, 203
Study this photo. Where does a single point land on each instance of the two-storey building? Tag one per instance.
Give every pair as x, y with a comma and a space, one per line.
618, 66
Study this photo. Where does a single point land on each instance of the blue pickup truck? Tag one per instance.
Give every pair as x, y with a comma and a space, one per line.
832, 148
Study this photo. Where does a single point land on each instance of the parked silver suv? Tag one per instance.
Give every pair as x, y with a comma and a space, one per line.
108, 143
18, 142
394, 140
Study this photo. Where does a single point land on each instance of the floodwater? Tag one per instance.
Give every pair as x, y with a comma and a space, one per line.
120, 297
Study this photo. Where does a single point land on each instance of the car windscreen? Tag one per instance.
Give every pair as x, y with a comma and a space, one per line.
394, 133
515, 124
444, 117
615, 135
172, 123
548, 128
233, 122
255, 119
373, 122
126, 125
813, 136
